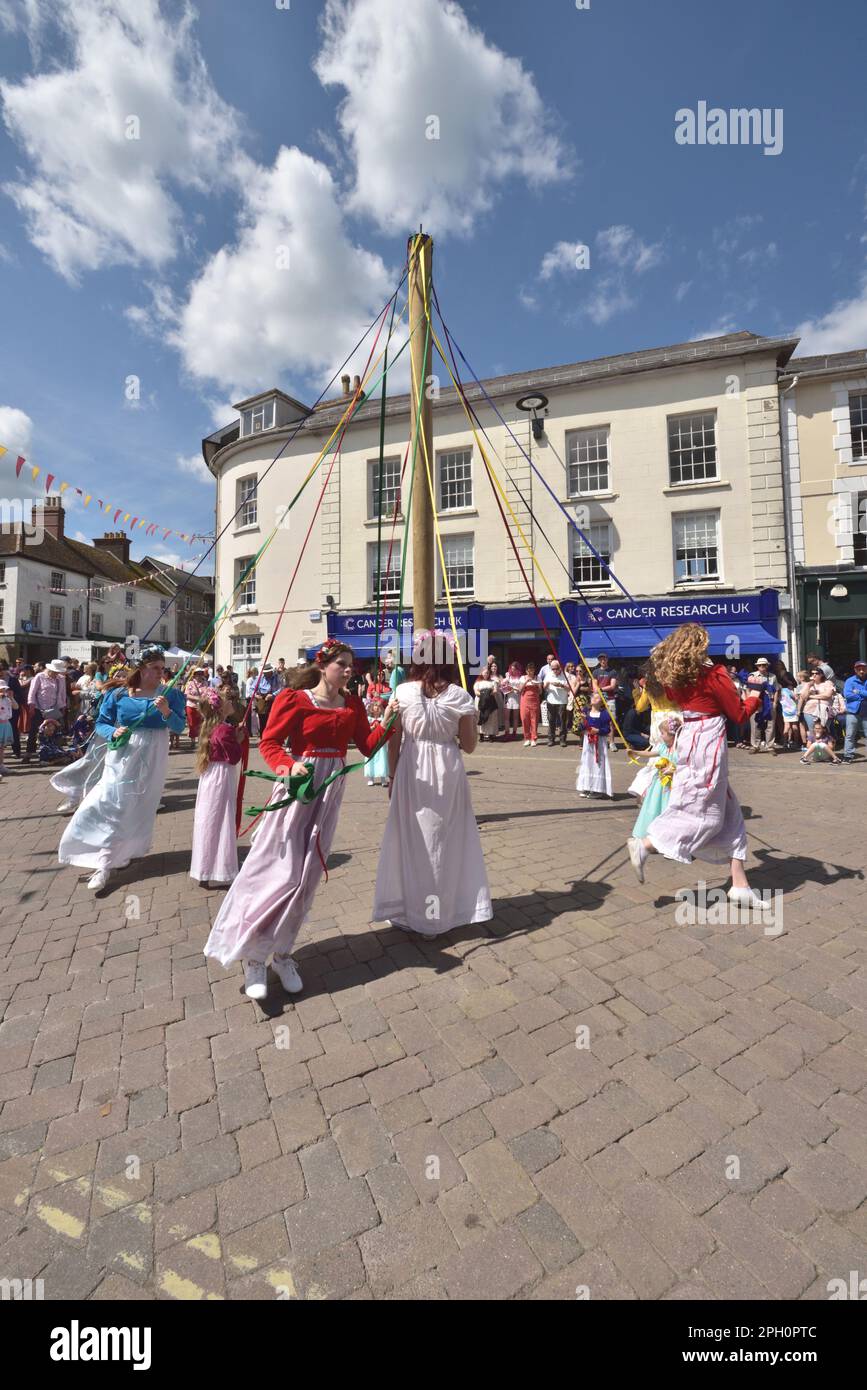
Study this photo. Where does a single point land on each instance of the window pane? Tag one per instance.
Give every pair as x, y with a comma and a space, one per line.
455, 479
858, 424
696, 547
587, 454
246, 594
247, 502
859, 535
385, 572
692, 447
588, 568
460, 564
390, 487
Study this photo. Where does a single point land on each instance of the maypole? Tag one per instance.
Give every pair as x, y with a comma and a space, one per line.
420, 257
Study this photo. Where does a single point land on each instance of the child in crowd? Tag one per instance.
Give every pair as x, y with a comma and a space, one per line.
376, 768
51, 749
81, 732
218, 753
594, 772
8, 706
820, 746
653, 782
792, 731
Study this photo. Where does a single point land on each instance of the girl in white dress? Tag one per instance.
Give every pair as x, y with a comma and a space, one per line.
594, 771
431, 874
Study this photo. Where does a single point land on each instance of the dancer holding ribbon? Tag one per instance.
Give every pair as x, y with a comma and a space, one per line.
268, 902
115, 821
703, 819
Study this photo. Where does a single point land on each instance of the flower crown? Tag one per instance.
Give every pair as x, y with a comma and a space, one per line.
211, 697
326, 651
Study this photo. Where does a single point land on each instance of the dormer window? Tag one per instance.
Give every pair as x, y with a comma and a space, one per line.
258, 418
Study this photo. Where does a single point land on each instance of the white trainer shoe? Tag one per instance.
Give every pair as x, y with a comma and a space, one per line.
287, 971
526, 743
66, 808
637, 857
255, 979
747, 897
98, 881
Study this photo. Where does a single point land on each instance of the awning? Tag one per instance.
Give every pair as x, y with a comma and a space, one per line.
725, 640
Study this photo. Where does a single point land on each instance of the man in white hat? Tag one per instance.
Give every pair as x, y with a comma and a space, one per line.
762, 723
46, 699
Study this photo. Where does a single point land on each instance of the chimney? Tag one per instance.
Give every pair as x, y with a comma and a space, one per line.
344, 382
49, 514
116, 543
356, 384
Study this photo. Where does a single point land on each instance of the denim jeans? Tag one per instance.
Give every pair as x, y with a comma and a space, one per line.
855, 723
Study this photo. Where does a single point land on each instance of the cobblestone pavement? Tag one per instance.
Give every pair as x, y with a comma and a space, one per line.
586, 1094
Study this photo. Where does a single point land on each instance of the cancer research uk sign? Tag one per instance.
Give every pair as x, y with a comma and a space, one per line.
741, 608
351, 625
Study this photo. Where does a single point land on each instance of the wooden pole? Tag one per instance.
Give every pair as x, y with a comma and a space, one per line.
420, 252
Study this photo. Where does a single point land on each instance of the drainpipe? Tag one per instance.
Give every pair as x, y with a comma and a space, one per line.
794, 617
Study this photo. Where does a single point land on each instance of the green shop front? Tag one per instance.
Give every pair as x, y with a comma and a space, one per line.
832, 604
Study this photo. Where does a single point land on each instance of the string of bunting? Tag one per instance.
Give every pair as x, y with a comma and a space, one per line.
100, 584
151, 528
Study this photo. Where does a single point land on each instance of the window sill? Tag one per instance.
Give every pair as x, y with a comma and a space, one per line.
244, 530
706, 485
244, 612
444, 513
578, 498
694, 584
386, 520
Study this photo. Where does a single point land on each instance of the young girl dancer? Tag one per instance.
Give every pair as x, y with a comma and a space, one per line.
115, 821
703, 819
265, 908
653, 782
376, 768
8, 706
215, 843
594, 771
431, 874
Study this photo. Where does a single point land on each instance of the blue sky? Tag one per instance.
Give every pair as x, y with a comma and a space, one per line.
153, 257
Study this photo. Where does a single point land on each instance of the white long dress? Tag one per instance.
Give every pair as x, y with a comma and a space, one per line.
115, 821
431, 875
75, 780
594, 770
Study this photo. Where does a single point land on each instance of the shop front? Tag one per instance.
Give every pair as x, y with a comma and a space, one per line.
833, 613
738, 624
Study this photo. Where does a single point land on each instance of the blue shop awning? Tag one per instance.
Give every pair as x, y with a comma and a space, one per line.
752, 639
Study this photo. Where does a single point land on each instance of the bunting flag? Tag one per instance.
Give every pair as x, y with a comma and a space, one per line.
107, 508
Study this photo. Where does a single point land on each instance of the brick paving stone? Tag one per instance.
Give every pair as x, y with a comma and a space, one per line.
183, 1218
404, 1246
729, 1279
497, 1267
636, 1260
548, 1236
590, 1127
592, 1278
775, 1261
392, 1190
468, 1218
681, 1240
397, 1080
784, 1207
257, 1144
242, 1102
467, 1131
361, 1139
428, 1162
827, 1178
191, 1085
255, 1246
269, 1188
335, 1274
194, 1168
515, 1113
501, 1181
663, 1145
535, 1149
455, 1095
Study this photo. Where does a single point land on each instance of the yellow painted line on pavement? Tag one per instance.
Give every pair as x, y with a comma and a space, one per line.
208, 1244
60, 1221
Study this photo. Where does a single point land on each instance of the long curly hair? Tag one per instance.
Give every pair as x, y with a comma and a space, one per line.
678, 660
652, 683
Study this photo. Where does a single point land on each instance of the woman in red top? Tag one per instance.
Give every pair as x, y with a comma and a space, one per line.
703, 819
268, 902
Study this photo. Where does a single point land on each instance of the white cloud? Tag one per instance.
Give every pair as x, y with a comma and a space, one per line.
564, 258
724, 325
608, 298
682, 290
404, 67
759, 255
16, 431
255, 315
623, 247
195, 465
93, 197
843, 327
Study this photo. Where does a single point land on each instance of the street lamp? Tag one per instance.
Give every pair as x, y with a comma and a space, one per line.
535, 405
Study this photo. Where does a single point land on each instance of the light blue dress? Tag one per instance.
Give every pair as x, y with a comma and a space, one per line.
377, 767
656, 796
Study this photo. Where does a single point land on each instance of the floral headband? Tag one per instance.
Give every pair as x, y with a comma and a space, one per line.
327, 650
211, 697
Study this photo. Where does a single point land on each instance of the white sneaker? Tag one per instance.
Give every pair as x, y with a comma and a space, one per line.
370, 781
637, 857
526, 743
747, 897
286, 969
255, 979
98, 881
66, 808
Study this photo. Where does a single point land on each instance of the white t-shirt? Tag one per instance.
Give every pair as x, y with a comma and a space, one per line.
556, 689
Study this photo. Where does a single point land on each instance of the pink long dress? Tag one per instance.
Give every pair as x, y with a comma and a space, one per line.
215, 844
